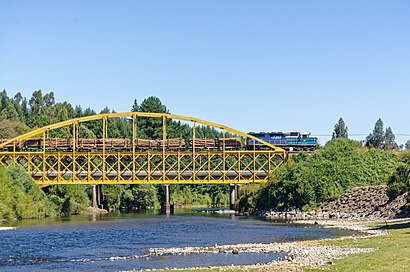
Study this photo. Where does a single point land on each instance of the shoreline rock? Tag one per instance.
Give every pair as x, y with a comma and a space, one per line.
94, 210
8, 228
215, 210
363, 203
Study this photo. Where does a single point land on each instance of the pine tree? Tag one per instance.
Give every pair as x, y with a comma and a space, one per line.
407, 146
376, 139
135, 107
151, 127
340, 130
389, 140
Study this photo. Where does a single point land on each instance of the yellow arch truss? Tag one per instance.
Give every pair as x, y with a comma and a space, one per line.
170, 167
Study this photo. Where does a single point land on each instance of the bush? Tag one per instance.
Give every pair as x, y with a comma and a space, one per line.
69, 199
246, 201
307, 181
21, 196
399, 182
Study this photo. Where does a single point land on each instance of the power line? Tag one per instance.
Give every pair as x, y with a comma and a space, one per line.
359, 134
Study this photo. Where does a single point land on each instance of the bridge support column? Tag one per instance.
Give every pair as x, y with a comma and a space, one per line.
232, 190
167, 204
95, 198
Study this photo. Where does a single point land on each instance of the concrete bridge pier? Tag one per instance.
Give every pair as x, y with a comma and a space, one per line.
97, 196
232, 192
167, 205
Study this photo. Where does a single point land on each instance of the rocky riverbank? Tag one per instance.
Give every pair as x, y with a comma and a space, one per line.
354, 210
368, 203
297, 254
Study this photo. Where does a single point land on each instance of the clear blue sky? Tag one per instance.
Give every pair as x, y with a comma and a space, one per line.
252, 65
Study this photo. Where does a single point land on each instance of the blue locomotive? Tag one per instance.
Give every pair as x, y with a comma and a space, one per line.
291, 141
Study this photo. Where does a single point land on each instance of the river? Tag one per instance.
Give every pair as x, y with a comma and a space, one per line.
118, 242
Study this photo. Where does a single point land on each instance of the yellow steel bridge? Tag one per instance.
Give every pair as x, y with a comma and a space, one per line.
133, 166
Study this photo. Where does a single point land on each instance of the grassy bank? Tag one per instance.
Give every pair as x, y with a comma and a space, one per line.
392, 251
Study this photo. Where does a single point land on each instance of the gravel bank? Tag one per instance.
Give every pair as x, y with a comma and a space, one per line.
8, 228
298, 254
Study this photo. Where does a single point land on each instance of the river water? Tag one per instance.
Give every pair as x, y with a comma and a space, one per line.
118, 242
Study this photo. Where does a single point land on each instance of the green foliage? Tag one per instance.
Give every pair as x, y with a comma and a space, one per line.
21, 197
150, 128
340, 129
130, 197
69, 199
407, 145
112, 195
138, 197
376, 139
10, 129
399, 182
389, 140
7, 196
9, 112
200, 195
246, 202
306, 181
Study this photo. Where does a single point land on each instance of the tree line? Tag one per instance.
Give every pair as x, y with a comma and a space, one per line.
379, 138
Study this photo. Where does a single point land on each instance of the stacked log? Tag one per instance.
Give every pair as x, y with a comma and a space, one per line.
87, 144
120, 144
203, 143
175, 143
144, 144
58, 143
229, 142
113, 143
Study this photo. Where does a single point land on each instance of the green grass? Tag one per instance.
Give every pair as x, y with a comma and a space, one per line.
392, 252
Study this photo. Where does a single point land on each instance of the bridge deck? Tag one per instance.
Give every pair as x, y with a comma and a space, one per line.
97, 177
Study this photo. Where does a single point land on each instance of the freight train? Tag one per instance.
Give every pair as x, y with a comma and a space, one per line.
290, 141
120, 144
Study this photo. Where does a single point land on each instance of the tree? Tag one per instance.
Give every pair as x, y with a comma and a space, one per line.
340, 129
9, 112
407, 146
36, 103
135, 107
10, 129
151, 127
389, 143
3, 100
376, 139
41, 109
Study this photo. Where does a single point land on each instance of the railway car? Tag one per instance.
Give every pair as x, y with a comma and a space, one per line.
290, 141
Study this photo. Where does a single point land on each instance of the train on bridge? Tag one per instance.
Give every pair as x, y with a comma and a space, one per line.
292, 141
